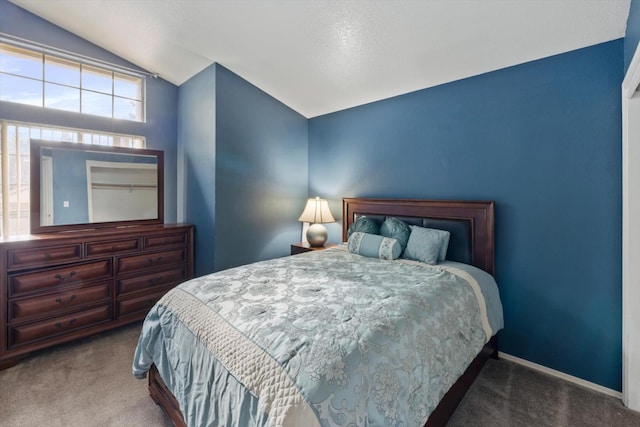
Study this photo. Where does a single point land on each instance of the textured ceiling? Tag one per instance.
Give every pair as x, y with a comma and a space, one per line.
322, 56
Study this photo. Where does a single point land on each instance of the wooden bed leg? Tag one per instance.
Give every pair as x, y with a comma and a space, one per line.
495, 355
163, 397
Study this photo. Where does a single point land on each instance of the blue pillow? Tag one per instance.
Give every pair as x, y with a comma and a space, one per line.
427, 245
373, 245
396, 229
364, 225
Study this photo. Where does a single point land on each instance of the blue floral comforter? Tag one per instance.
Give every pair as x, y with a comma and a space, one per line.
320, 339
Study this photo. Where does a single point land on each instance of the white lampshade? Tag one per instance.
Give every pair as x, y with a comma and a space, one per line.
317, 212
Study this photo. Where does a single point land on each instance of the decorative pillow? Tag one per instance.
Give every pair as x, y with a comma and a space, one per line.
373, 245
396, 229
442, 255
426, 244
364, 225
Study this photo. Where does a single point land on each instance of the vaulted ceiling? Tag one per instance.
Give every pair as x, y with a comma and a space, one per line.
321, 56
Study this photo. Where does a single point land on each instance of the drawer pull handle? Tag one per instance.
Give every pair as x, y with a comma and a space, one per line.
155, 261
61, 277
61, 325
114, 247
61, 301
155, 280
47, 256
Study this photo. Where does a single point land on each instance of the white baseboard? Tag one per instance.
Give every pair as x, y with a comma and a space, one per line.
562, 375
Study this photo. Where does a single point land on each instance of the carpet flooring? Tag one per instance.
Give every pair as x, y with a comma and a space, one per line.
89, 383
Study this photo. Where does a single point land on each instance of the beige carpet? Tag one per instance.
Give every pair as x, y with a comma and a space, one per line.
507, 394
86, 383
89, 383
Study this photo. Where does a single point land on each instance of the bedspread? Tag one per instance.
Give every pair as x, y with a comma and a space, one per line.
321, 338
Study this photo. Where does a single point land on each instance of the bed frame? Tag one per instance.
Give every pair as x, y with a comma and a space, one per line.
472, 241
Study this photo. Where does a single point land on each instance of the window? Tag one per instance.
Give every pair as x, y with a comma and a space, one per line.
15, 165
43, 80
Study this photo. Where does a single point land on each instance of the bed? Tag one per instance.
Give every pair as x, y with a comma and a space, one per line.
304, 345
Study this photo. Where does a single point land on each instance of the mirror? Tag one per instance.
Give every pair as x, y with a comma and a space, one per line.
79, 186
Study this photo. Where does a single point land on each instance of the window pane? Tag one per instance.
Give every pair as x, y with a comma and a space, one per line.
97, 80
21, 90
25, 172
127, 109
69, 136
106, 140
35, 133
20, 61
13, 173
51, 134
127, 86
96, 104
24, 145
98, 139
23, 139
127, 141
61, 97
60, 71
11, 139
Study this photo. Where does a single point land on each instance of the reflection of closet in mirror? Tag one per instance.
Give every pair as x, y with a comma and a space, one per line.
46, 190
120, 191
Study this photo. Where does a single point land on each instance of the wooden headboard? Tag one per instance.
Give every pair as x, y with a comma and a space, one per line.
470, 223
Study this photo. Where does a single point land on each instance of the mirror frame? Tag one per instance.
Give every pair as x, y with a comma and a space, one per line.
34, 186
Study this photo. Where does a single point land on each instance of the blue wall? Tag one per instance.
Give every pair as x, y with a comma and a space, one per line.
160, 129
261, 171
197, 163
245, 157
543, 140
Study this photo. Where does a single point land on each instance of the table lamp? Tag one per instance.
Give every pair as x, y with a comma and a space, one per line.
317, 212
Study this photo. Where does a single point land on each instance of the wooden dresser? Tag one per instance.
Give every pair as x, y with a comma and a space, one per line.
60, 287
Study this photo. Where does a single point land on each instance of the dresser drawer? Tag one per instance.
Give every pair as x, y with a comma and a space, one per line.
52, 304
140, 305
169, 239
36, 257
157, 259
162, 278
112, 247
54, 278
38, 331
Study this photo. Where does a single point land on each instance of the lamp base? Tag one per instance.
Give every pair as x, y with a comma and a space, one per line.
317, 235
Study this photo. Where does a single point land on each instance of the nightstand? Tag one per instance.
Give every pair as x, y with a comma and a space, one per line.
298, 248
